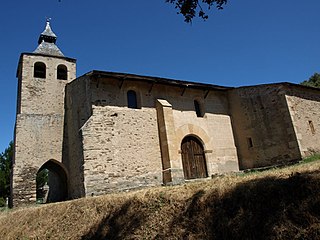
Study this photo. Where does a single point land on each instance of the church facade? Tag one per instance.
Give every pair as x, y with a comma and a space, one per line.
106, 131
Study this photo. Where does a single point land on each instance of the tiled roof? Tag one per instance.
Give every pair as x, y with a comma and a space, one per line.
48, 49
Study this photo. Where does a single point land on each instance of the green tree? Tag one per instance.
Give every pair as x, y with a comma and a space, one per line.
192, 8
314, 81
41, 180
5, 168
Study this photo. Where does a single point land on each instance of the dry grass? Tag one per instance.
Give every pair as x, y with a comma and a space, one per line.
274, 204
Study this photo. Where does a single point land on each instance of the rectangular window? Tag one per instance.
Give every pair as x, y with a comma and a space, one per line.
198, 108
132, 99
313, 131
249, 142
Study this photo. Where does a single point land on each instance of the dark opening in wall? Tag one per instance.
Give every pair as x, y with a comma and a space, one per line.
39, 70
132, 99
198, 109
249, 142
62, 72
51, 183
313, 131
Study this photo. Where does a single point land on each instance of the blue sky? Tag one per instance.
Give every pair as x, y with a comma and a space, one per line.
249, 42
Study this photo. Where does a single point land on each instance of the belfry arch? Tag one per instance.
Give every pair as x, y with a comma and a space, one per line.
52, 182
193, 158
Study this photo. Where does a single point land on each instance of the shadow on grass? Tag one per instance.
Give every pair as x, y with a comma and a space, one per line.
119, 224
269, 208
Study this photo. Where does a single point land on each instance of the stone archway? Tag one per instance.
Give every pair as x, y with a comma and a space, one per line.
56, 188
193, 158
191, 129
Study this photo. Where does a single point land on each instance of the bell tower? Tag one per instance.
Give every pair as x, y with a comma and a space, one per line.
42, 77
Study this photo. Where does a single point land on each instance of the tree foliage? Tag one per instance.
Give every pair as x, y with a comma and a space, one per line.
192, 8
41, 180
314, 81
5, 168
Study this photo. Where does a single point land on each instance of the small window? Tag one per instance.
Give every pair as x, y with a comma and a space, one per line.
198, 109
313, 131
39, 70
249, 142
132, 99
62, 72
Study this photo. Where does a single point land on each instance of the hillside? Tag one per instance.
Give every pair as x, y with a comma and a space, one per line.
274, 204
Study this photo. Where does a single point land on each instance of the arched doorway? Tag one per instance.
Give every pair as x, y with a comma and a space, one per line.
52, 182
193, 158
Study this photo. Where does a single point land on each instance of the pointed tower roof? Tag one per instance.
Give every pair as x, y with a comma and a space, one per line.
47, 42
47, 34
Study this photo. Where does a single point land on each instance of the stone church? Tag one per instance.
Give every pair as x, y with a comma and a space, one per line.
106, 131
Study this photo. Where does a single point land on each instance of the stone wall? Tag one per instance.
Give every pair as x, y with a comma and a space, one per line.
304, 105
38, 95
214, 128
39, 123
121, 148
120, 144
78, 111
104, 146
262, 126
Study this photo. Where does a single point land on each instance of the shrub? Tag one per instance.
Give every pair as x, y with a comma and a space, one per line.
2, 202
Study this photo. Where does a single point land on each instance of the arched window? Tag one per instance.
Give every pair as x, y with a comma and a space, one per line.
39, 70
197, 108
62, 72
132, 99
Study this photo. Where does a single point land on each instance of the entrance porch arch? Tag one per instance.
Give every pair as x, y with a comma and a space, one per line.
56, 176
191, 129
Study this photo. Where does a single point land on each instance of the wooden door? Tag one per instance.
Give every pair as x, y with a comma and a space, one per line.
193, 158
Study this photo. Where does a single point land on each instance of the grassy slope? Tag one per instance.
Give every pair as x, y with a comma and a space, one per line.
275, 204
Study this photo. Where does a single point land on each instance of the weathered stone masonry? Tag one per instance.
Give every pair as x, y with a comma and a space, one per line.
40, 116
303, 105
124, 148
105, 131
276, 118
